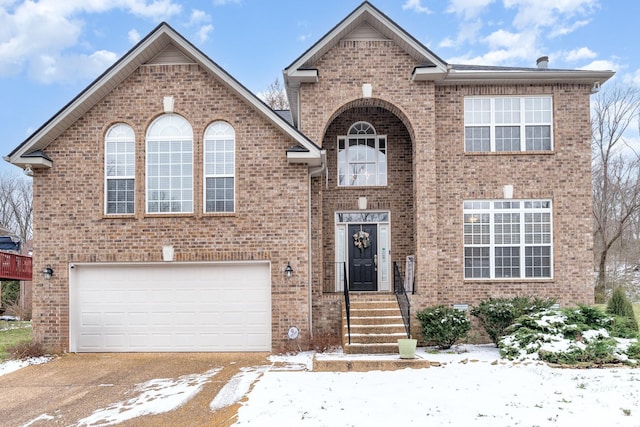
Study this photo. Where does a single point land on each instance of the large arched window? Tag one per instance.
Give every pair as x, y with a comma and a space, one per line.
170, 165
119, 169
362, 157
219, 168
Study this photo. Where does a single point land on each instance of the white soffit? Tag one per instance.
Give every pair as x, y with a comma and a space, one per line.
526, 76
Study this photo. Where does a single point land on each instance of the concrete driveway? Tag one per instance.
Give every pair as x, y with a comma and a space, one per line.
72, 387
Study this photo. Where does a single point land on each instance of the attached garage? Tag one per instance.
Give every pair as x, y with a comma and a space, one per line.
170, 307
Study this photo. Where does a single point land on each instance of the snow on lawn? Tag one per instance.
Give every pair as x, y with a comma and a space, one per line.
13, 365
472, 386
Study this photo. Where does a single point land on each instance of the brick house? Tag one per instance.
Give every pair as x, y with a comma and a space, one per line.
179, 213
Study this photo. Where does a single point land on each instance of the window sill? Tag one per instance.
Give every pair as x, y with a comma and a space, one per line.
169, 215
219, 214
510, 153
343, 187
509, 280
118, 216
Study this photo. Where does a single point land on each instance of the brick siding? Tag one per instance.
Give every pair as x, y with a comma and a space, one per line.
434, 175
429, 176
270, 222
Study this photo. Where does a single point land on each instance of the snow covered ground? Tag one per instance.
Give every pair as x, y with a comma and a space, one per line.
13, 365
472, 386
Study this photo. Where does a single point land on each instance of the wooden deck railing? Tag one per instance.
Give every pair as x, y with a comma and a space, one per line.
15, 267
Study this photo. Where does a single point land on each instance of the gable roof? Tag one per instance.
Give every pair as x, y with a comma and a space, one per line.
367, 22
162, 44
368, 16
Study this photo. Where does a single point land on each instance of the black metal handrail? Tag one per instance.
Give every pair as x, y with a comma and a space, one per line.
402, 297
347, 304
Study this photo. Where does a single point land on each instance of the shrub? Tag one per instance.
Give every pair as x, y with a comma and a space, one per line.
10, 292
624, 327
497, 314
633, 351
599, 351
569, 336
14, 309
620, 305
25, 350
443, 325
585, 318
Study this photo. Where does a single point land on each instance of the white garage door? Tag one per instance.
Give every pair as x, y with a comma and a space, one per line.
170, 307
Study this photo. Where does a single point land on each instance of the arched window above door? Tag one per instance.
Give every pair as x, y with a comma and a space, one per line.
362, 157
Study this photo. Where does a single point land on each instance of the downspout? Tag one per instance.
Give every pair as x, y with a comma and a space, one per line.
313, 172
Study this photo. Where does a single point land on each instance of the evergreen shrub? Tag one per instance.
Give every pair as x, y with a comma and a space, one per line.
497, 314
443, 325
620, 305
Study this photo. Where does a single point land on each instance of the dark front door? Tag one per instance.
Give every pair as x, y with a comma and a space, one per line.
363, 268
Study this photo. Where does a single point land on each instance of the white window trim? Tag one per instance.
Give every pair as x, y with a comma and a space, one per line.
376, 162
522, 124
214, 137
169, 138
492, 245
107, 178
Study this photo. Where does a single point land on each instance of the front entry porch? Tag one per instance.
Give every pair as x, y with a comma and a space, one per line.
376, 325
362, 246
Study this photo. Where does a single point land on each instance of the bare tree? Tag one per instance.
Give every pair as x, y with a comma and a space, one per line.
276, 97
16, 204
616, 183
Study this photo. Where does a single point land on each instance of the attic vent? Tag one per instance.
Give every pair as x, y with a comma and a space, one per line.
365, 32
170, 55
542, 62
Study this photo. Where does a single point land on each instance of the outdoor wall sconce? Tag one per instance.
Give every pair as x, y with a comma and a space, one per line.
288, 271
47, 272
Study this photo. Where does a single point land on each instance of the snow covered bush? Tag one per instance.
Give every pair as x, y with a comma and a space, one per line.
570, 336
443, 325
497, 314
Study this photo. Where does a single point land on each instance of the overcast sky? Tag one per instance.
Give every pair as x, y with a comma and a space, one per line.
50, 50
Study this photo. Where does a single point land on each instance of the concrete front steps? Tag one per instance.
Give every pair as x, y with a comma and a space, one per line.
376, 326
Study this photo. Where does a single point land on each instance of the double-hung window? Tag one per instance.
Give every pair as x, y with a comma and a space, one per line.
507, 239
362, 157
219, 168
119, 167
508, 124
170, 165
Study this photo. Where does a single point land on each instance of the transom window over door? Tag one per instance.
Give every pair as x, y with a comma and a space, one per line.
119, 169
219, 168
170, 165
362, 157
